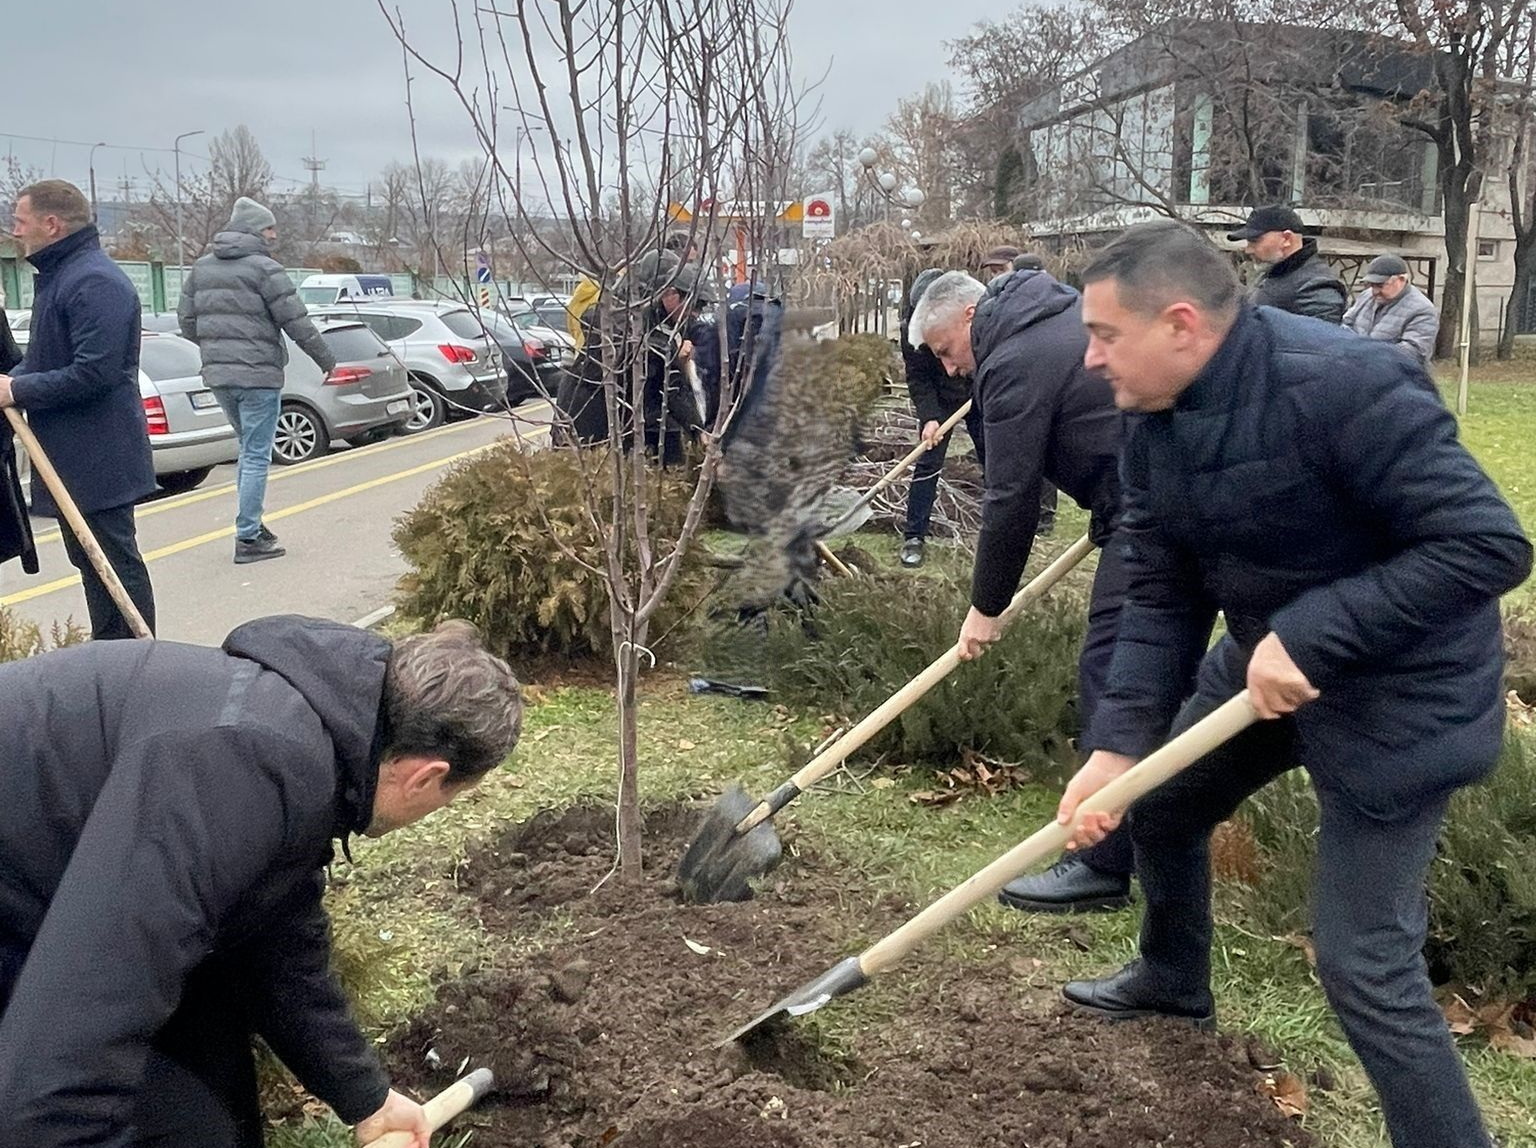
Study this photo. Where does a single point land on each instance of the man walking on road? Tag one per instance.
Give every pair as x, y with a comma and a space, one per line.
79, 385
235, 305
1357, 552
1298, 279
166, 816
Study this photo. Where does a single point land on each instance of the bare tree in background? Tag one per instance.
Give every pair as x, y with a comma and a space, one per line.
14, 175
236, 167
644, 101
1520, 131
1003, 65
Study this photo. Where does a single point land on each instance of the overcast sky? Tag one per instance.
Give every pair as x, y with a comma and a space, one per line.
136, 74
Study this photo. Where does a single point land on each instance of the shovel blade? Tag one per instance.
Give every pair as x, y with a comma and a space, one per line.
841, 978
721, 864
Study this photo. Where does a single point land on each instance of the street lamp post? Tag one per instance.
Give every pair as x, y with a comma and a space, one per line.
92, 164
180, 245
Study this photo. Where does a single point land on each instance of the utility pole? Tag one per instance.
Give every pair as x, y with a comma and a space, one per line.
315, 165
180, 245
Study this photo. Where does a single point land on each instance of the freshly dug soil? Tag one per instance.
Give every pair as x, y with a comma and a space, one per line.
606, 1035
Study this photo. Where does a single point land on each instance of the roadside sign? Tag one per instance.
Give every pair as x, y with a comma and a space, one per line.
820, 220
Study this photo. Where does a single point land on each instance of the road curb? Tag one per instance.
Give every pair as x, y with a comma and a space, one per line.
373, 618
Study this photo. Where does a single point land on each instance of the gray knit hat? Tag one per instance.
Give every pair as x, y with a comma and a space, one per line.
250, 216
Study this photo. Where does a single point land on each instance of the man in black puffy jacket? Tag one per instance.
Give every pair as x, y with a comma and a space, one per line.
166, 813
1357, 552
1298, 280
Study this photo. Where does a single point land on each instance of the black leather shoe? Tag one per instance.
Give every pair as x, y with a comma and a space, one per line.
1069, 886
912, 553
1046, 526
1122, 996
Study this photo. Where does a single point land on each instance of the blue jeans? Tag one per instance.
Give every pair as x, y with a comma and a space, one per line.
252, 411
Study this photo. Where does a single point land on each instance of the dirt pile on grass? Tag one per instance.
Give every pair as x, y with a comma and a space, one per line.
605, 1036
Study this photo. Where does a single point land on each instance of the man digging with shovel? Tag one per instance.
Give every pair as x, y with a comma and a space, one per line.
1046, 417
166, 814
1310, 485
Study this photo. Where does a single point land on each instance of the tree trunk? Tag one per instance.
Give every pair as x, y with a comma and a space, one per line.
1524, 272
626, 659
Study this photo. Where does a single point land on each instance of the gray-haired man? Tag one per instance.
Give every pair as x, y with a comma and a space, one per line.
1392, 310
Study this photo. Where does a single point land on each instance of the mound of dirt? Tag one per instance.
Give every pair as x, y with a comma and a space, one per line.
607, 1035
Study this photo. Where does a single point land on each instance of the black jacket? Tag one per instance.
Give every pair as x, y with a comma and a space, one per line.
1311, 483
935, 394
79, 380
1045, 416
1303, 284
168, 809
15, 525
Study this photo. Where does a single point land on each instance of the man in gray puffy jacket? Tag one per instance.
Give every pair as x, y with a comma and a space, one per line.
236, 304
1392, 310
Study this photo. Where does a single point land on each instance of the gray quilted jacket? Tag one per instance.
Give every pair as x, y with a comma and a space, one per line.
1410, 322
235, 305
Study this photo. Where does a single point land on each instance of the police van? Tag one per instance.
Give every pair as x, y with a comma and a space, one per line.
324, 290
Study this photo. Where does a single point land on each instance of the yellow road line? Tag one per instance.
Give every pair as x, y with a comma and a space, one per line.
229, 531
176, 502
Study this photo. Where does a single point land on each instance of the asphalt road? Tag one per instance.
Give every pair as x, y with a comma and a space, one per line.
334, 515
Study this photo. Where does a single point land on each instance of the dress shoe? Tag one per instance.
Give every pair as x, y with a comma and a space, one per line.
912, 553
1126, 996
1069, 886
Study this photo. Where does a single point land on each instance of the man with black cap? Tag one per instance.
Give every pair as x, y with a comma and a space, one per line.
935, 396
1298, 279
1392, 310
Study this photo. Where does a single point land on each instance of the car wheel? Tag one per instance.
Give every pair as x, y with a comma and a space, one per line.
300, 437
181, 481
427, 408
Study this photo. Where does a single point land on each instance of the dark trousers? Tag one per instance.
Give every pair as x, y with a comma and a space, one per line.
924, 489
1048, 500
199, 1086
1371, 918
117, 536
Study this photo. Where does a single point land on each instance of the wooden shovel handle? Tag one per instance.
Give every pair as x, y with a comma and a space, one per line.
844, 747
1219, 726
900, 468
443, 1107
77, 525
833, 560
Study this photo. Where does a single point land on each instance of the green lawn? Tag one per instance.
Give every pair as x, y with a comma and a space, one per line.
398, 909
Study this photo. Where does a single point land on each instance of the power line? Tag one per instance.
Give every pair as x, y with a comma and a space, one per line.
79, 143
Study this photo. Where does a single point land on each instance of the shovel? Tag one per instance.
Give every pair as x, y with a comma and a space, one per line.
734, 845
76, 521
443, 1107
842, 978
898, 470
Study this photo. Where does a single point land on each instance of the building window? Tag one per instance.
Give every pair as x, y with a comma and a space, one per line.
1487, 248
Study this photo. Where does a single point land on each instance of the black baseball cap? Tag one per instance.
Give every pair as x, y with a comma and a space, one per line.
1264, 220
1383, 267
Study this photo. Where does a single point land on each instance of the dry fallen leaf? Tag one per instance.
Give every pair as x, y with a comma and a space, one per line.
702, 950
1459, 1016
882, 783
1288, 1092
686, 745
1304, 943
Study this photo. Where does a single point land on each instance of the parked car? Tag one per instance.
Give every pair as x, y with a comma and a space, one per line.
454, 368
368, 397
188, 433
534, 361
321, 290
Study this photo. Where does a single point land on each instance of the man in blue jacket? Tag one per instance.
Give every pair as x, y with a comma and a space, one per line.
1311, 486
79, 384
166, 814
